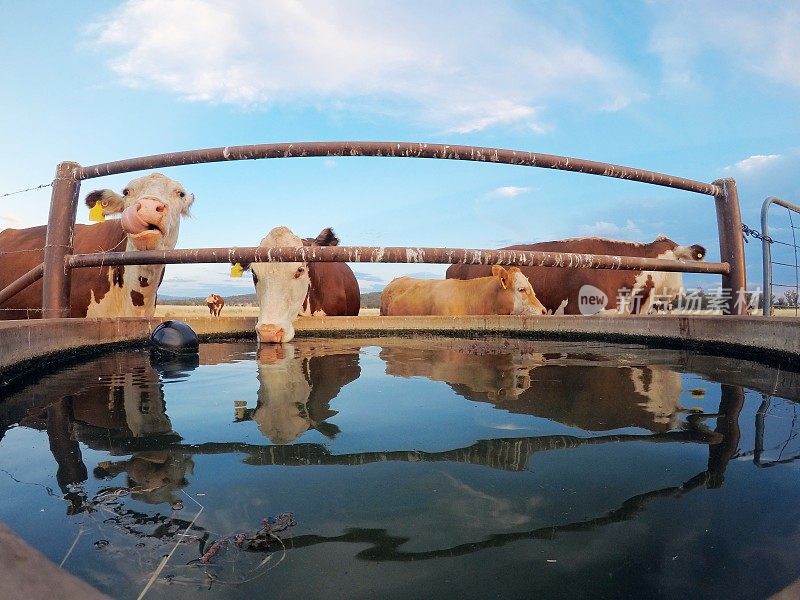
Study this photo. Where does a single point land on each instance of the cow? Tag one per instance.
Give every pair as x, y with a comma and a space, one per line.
286, 290
215, 302
592, 291
505, 292
295, 390
151, 209
583, 390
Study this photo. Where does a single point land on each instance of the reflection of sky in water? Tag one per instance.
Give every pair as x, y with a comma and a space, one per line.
394, 510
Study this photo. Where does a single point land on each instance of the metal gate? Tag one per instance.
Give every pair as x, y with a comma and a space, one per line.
766, 244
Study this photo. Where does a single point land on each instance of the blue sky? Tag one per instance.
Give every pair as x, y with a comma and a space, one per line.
696, 89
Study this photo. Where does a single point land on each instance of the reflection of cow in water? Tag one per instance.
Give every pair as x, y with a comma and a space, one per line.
115, 403
215, 302
493, 377
153, 475
295, 391
581, 391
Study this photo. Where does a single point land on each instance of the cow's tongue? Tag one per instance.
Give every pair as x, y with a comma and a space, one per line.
131, 221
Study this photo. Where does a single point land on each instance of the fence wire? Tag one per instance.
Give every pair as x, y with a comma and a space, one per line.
30, 189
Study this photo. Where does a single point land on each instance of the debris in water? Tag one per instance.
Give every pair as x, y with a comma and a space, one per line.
697, 392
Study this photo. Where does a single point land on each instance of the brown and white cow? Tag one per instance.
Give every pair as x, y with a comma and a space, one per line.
505, 292
589, 291
215, 302
151, 208
286, 290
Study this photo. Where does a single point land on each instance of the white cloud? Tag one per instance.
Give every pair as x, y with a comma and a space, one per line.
328, 163
414, 59
606, 229
754, 164
759, 37
10, 220
510, 191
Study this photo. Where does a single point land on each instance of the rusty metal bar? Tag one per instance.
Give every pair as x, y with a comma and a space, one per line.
731, 245
395, 149
58, 244
392, 255
19, 284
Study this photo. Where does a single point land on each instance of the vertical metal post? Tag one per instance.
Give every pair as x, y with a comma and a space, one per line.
731, 245
731, 402
766, 258
60, 230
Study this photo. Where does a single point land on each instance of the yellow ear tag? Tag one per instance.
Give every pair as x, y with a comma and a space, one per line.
236, 270
96, 213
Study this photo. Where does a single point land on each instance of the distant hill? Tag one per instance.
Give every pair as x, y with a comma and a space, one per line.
371, 300
368, 300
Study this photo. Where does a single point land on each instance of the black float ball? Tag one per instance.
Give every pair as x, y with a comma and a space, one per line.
174, 337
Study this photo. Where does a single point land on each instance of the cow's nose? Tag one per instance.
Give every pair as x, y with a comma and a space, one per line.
270, 334
150, 208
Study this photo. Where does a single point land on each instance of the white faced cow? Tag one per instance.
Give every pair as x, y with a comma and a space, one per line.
151, 208
286, 290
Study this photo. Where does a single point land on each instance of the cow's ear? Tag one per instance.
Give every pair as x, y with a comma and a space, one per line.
698, 252
109, 200
326, 237
502, 275
186, 202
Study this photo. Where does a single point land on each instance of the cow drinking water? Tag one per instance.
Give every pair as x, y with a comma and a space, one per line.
286, 290
151, 209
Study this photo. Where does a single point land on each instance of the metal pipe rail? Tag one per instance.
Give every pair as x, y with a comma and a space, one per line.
66, 185
19, 284
394, 150
392, 255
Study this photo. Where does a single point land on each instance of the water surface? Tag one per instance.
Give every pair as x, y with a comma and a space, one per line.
422, 467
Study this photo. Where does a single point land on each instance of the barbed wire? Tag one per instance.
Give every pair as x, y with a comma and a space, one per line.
30, 189
749, 231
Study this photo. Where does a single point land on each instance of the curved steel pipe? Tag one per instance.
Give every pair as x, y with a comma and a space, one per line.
394, 149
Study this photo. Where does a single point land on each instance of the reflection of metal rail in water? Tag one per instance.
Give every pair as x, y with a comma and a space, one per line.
509, 454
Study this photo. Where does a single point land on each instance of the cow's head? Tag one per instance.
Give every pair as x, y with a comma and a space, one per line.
151, 208
519, 291
283, 392
281, 289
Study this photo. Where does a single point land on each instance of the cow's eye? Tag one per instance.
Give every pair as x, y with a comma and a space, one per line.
125, 192
182, 194
522, 290
301, 270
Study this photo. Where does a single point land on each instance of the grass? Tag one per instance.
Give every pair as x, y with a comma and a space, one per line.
177, 311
